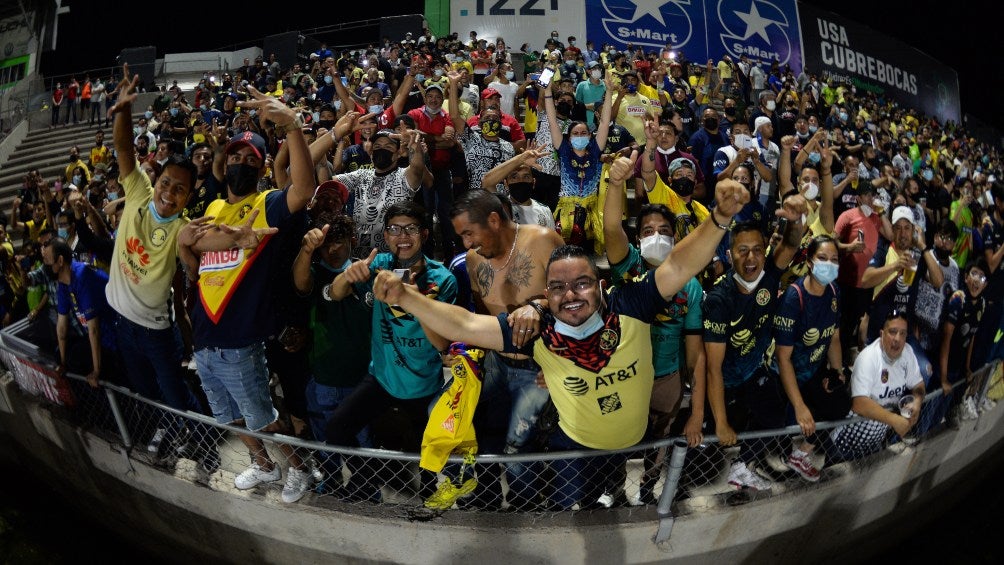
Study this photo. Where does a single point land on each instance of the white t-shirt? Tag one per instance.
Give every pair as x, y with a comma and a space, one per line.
884, 382
373, 195
536, 213
508, 92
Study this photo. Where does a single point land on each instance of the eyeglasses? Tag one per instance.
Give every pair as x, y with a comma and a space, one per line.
578, 286
396, 230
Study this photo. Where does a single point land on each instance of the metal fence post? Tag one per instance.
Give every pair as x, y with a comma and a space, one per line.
123, 431
664, 508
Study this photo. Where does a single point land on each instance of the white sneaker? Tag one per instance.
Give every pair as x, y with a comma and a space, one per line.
986, 404
156, 440
255, 475
968, 409
297, 484
741, 477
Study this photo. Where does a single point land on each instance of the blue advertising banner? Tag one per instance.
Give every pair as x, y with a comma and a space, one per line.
764, 30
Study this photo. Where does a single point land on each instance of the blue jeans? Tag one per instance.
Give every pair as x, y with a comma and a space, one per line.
322, 400
153, 363
581, 480
236, 385
438, 199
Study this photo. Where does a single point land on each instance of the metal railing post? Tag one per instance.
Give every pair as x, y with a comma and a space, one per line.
672, 482
119, 420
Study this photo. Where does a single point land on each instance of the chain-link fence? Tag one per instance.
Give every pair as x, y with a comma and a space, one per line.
666, 475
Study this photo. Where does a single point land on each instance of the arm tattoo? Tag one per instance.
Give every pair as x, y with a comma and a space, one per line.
520, 270
486, 276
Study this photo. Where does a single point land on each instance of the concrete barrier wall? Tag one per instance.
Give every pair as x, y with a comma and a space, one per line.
221, 523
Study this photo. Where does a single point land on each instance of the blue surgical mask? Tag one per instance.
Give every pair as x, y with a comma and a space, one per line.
336, 270
825, 272
419, 77
157, 217
814, 157
112, 196
928, 175
580, 142
812, 129
62, 232
438, 72
77, 179
843, 116
583, 330
148, 114
316, 117
509, 75
376, 109
337, 104
174, 112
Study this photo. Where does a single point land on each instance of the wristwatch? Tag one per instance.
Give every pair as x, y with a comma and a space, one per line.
297, 123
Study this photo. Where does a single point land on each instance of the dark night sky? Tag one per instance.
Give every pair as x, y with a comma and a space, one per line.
965, 39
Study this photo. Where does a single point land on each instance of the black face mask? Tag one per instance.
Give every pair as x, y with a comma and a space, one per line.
730, 111
520, 191
942, 254
683, 186
326, 124
382, 158
564, 108
73, 158
710, 123
142, 151
242, 179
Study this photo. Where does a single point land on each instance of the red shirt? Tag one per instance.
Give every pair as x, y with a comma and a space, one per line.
434, 125
853, 265
384, 120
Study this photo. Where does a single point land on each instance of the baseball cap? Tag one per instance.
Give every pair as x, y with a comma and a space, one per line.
902, 213
592, 64
100, 167
489, 92
680, 162
866, 187
759, 122
332, 188
436, 86
388, 133
252, 140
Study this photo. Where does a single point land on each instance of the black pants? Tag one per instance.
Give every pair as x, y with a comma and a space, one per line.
364, 406
854, 303
757, 404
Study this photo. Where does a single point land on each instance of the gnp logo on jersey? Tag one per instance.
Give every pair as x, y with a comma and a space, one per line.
757, 29
652, 23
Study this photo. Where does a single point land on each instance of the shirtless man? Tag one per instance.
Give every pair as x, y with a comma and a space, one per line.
507, 264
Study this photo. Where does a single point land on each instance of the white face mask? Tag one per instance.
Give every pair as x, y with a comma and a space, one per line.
596, 74
583, 330
655, 248
866, 210
669, 151
771, 105
811, 191
749, 286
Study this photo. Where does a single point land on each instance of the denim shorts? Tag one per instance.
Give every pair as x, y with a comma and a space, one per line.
236, 385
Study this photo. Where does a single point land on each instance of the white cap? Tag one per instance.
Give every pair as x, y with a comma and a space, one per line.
759, 122
902, 213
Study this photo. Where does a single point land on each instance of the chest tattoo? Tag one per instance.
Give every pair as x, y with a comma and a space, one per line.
520, 270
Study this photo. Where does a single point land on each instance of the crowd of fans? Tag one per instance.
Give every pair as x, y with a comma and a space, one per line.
799, 250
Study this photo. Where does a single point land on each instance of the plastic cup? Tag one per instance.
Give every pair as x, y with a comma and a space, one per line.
906, 406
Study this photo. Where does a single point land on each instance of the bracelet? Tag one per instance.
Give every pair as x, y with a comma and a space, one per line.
714, 220
546, 97
537, 307
326, 293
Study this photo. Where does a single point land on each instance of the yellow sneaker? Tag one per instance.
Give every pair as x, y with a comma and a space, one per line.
448, 493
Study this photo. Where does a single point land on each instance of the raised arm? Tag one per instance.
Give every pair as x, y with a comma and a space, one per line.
604, 126
449, 321
692, 254
552, 117
122, 127
303, 279
826, 192
499, 173
615, 237
416, 159
301, 168
453, 100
